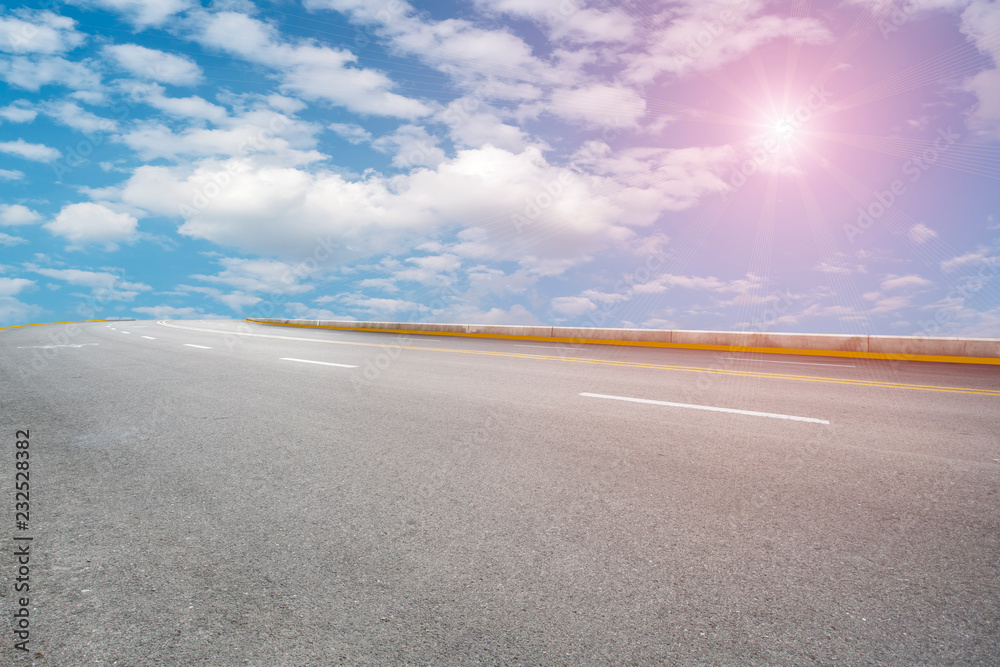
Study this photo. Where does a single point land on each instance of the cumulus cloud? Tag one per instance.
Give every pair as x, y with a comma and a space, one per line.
921, 233
468, 53
141, 13
312, 71
11, 286
258, 275
266, 209
8, 240
572, 305
473, 124
972, 258
568, 21
104, 284
35, 152
890, 304
599, 104
93, 223
351, 132
71, 115
31, 73
411, 146
706, 35
17, 214
981, 22
17, 114
162, 312
904, 282
258, 131
155, 65
38, 32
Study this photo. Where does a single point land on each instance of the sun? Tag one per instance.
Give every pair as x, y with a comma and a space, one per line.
783, 128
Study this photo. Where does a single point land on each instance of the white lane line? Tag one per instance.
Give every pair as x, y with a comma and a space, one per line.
124, 332
775, 361
547, 347
149, 337
712, 408
200, 347
51, 347
321, 363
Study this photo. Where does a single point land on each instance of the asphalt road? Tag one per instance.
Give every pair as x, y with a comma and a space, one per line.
203, 498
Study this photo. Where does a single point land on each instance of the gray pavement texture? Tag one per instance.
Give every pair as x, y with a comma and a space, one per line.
458, 502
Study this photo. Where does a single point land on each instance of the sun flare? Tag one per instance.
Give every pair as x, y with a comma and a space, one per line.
783, 128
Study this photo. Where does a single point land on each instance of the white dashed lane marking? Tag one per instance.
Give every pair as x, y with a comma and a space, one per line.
321, 363
712, 408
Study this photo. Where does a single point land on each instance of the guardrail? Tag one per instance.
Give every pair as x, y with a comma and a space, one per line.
908, 348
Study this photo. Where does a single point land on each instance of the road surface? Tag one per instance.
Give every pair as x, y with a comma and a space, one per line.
291, 496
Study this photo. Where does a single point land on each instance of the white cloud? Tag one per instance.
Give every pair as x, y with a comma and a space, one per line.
301, 311
384, 284
707, 34
108, 286
480, 126
38, 32
477, 184
156, 65
981, 22
93, 223
599, 104
260, 132
566, 20
258, 275
71, 115
975, 257
35, 152
8, 240
170, 312
411, 146
310, 70
890, 304
903, 282
11, 175
379, 306
667, 179
17, 114
14, 311
141, 13
827, 267
236, 301
467, 313
351, 132
572, 305
33, 73
921, 233
17, 214
11, 286
455, 46
182, 107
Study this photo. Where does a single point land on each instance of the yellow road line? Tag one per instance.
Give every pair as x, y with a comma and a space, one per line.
846, 354
40, 324
627, 364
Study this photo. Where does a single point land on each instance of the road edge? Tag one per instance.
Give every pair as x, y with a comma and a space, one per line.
894, 348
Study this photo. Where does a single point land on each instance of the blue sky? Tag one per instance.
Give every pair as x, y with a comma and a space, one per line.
694, 165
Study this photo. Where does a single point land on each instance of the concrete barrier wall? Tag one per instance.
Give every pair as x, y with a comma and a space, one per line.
829, 344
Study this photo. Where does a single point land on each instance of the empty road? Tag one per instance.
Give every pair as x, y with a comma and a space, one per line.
289, 496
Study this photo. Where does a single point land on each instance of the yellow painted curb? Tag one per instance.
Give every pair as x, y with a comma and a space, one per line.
40, 324
890, 356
